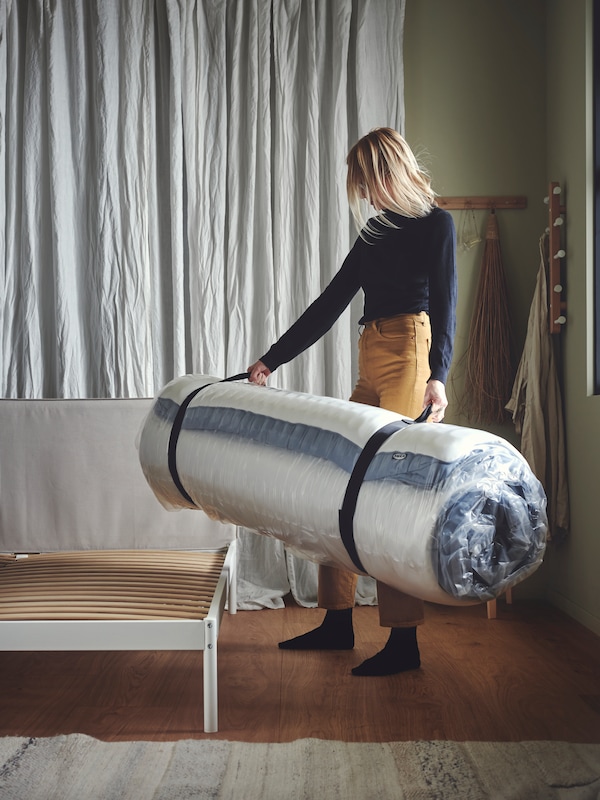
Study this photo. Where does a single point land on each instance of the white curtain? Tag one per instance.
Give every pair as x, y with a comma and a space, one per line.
172, 185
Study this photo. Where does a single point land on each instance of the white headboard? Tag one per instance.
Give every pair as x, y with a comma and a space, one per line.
70, 479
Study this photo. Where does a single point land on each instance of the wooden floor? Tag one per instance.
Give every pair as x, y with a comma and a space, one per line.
532, 673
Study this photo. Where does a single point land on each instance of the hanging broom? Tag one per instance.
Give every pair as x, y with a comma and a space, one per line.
489, 373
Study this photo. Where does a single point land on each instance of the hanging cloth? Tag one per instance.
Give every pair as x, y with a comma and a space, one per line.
536, 407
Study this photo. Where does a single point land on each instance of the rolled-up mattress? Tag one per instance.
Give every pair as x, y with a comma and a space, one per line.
448, 514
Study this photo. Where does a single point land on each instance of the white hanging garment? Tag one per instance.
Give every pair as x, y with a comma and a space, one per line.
537, 408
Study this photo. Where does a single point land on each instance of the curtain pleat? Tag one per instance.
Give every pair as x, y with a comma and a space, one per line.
173, 184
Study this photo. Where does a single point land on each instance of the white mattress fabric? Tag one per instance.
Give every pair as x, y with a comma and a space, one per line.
452, 515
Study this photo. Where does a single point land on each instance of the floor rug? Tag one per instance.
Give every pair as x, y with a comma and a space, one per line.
78, 767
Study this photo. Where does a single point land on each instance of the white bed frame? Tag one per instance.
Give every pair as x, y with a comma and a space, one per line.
70, 480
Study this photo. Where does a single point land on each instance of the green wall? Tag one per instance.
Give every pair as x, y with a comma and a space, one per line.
495, 97
475, 103
574, 582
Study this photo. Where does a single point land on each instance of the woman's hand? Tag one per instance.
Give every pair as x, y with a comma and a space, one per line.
435, 396
259, 373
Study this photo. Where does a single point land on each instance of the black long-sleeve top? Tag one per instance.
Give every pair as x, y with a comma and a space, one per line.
404, 269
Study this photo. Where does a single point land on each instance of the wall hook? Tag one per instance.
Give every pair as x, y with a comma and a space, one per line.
556, 253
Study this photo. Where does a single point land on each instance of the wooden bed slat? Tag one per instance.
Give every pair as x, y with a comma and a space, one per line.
124, 584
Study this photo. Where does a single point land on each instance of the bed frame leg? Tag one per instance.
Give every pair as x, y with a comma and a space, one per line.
211, 698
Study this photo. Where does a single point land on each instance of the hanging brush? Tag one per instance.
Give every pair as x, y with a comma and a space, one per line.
489, 371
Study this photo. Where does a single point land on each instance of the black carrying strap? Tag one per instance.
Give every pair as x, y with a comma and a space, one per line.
176, 430
348, 509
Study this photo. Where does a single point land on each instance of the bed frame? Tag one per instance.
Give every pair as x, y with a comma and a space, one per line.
91, 561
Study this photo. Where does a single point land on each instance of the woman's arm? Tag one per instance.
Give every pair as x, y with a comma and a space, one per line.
442, 296
314, 322
442, 313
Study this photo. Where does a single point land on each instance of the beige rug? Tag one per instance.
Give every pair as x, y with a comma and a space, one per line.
77, 767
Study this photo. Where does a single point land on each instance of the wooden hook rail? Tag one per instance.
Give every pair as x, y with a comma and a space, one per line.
460, 203
556, 253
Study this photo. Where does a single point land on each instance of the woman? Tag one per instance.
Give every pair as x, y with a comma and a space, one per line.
404, 260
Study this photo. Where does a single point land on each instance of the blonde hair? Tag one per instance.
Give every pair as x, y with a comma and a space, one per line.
383, 170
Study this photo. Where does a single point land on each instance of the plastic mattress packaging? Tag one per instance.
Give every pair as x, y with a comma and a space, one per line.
449, 514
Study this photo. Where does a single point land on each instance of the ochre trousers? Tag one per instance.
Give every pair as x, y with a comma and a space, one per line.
393, 368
